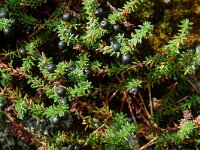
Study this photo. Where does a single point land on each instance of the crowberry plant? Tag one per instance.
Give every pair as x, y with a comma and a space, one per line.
99, 74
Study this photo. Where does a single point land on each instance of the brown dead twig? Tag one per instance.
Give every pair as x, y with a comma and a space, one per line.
194, 87
14, 72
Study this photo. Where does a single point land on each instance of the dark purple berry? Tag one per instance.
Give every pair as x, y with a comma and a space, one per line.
191, 50
29, 29
126, 58
13, 22
63, 101
116, 46
175, 148
7, 32
102, 1
99, 12
61, 45
181, 147
66, 17
111, 39
71, 69
51, 68
49, 131
197, 47
130, 120
61, 91
55, 120
104, 24
2, 104
176, 78
134, 90
46, 132
28, 32
77, 147
3, 14
88, 72
116, 27
22, 52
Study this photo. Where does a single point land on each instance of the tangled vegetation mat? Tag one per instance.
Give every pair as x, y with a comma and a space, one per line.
99, 74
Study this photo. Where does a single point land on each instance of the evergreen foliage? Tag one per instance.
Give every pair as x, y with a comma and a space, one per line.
99, 74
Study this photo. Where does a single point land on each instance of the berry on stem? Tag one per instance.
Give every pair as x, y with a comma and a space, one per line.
55, 120
116, 27
29, 29
7, 32
77, 147
134, 91
197, 47
176, 78
126, 58
61, 91
88, 72
63, 101
116, 46
46, 132
71, 69
3, 14
102, 1
61, 45
181, 147
130, 120
51, 68
2, 104
13, 22
22, 52
66, 16
99, 12
104, 24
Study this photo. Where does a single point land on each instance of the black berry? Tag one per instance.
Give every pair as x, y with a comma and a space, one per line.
66, 17
71, 69
99, 12
55, 120
176, 78
126, 58
46, 132
174, 148
181, 147
197, 47
130, 120
13, 22
102, 1
116, 46
88, 72
2, 104
3, 14
29, 29
116, 27
104, 24
61, 91
112, 39
191, 50
134, 91
22, 52
51, 68
7, 32
77, 147
63, 101
61, 45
